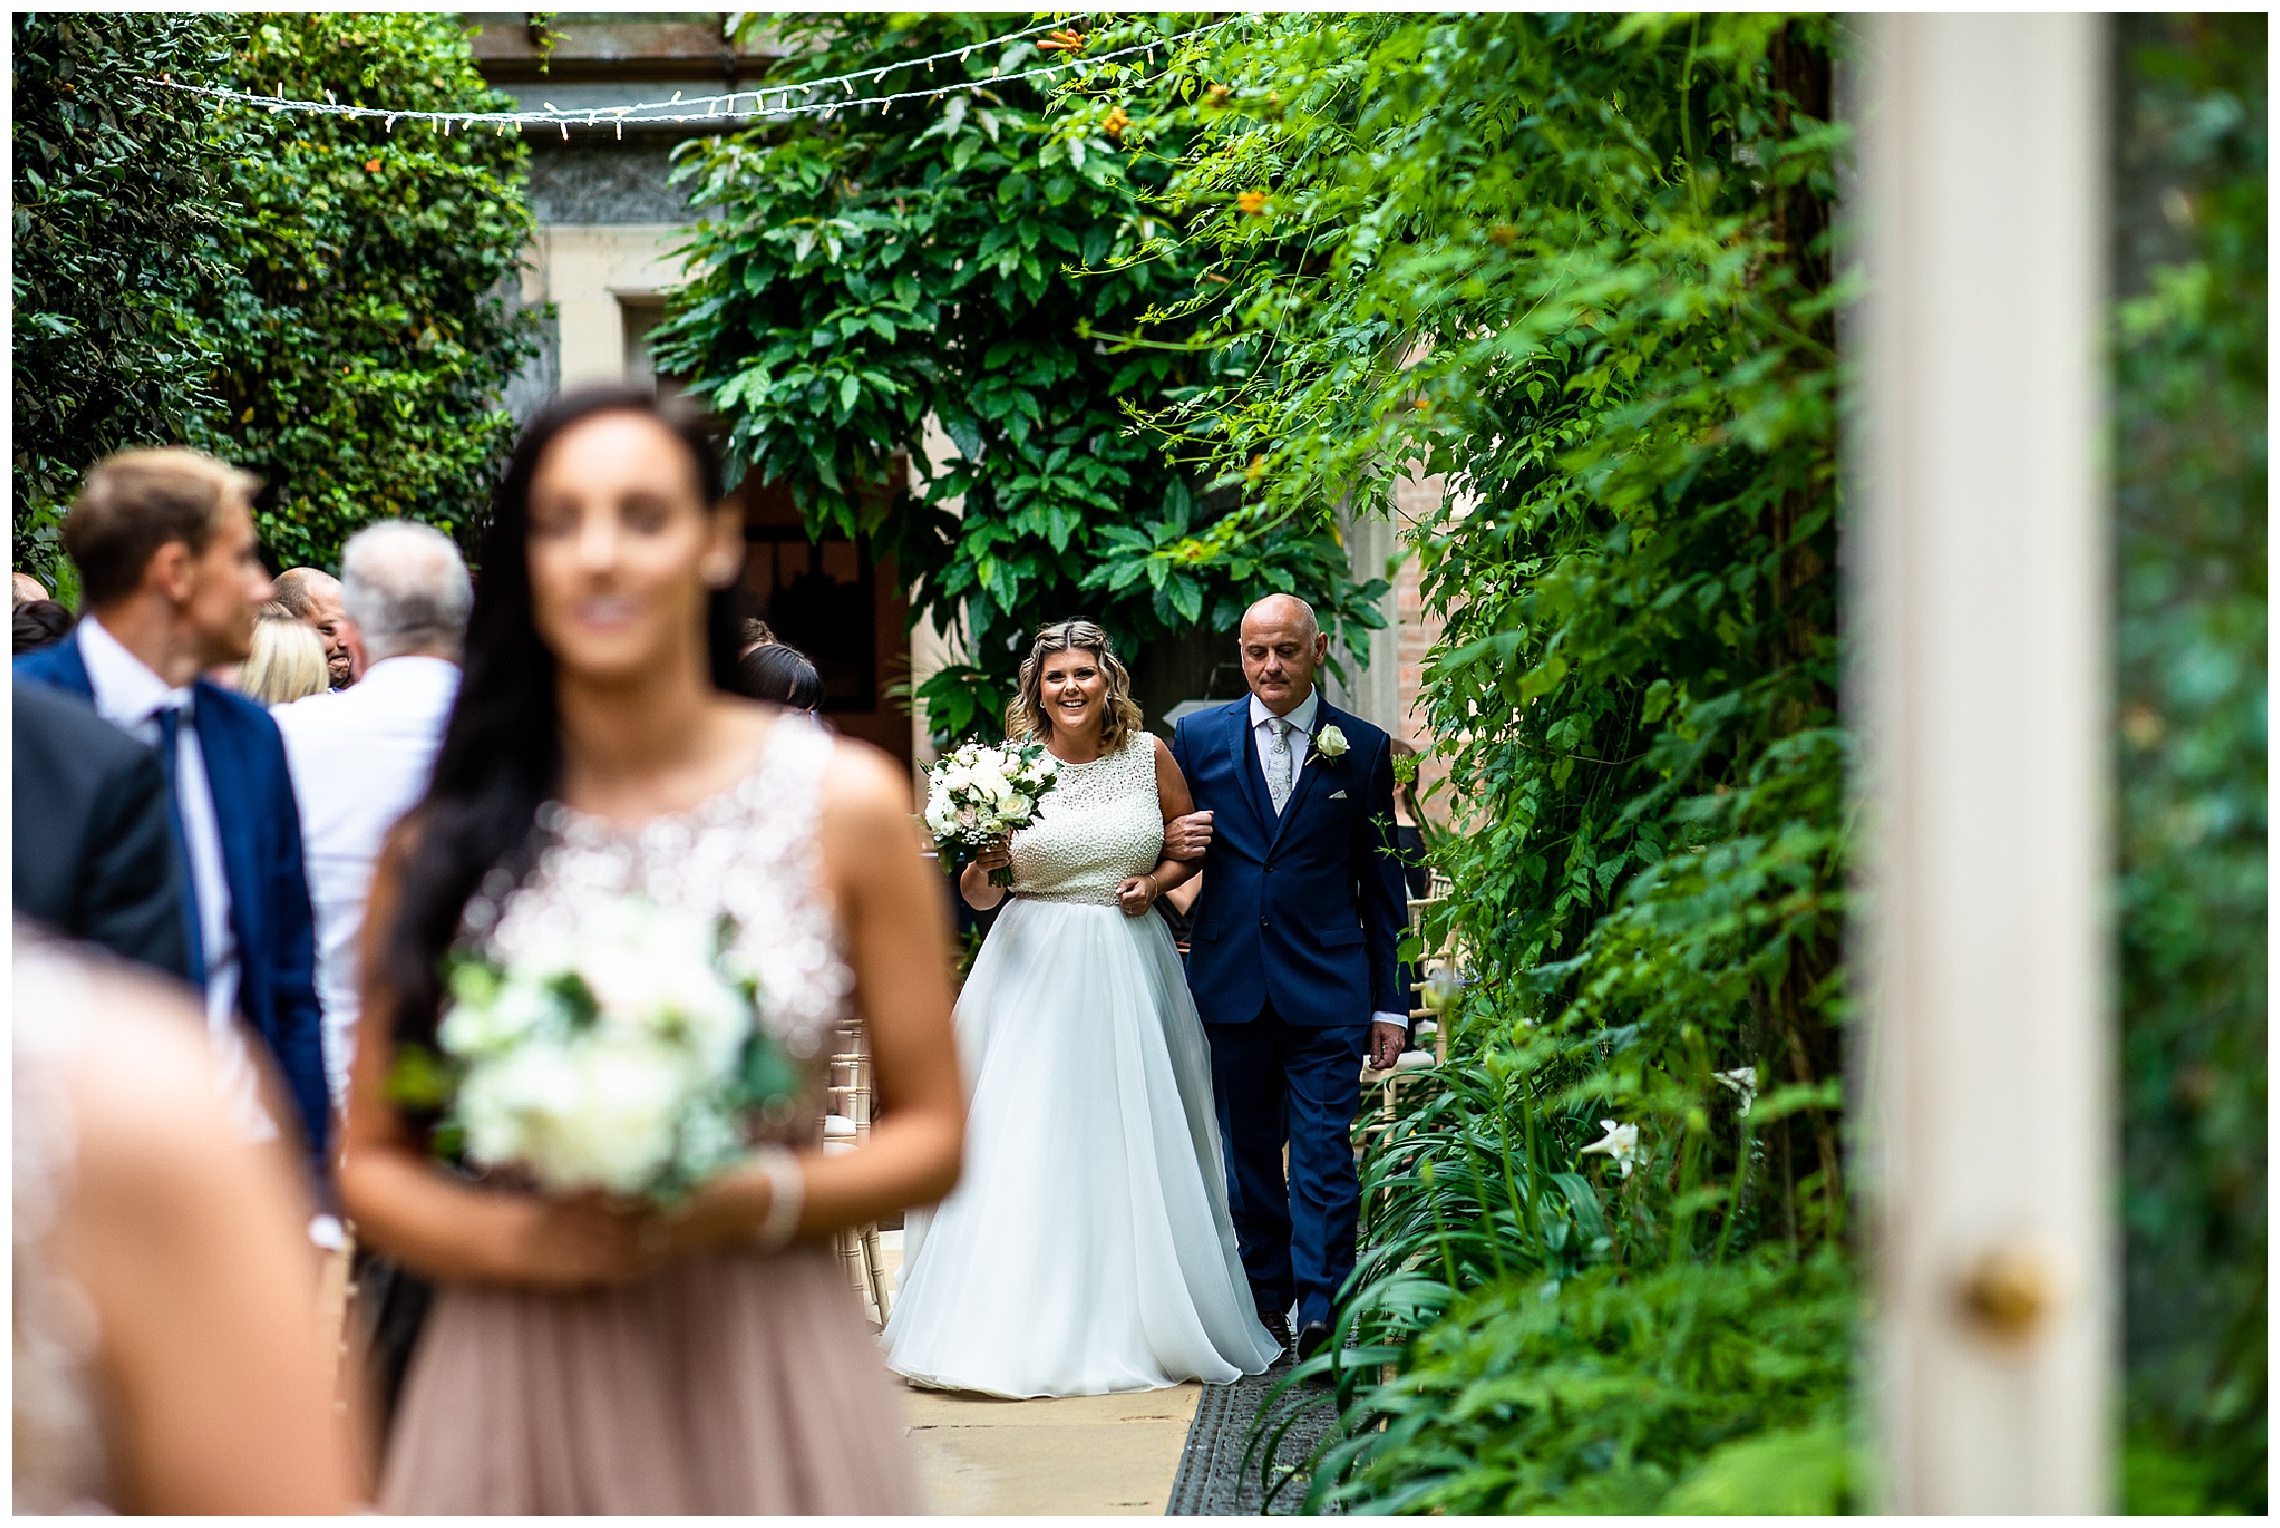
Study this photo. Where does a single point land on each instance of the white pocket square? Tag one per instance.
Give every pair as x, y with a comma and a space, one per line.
1337, 795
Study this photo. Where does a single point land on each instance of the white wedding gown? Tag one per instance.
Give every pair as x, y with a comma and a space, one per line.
1087, 1249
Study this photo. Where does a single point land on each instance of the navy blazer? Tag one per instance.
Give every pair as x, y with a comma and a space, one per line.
1307, 908
260, 826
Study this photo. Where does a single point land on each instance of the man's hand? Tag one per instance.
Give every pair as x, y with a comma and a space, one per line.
1186, 838
1387, 1042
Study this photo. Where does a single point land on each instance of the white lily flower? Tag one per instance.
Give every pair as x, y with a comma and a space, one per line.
1743, 1080
1619, 1145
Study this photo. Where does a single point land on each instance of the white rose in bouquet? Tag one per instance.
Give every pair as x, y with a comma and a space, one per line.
621, 1051
979, 794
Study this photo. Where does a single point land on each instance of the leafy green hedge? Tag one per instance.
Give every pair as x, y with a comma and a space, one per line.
2191, 402
1579, 265
116, 238
324, 302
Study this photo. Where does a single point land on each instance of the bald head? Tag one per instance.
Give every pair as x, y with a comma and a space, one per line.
1282, 645
1283, 608
313, 596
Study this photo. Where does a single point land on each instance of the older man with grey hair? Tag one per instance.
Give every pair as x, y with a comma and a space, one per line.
361, 757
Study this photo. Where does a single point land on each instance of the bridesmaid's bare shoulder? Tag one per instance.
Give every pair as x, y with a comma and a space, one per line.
868, 809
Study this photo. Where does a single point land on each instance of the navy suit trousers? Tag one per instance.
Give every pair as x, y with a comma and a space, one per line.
1277, 1083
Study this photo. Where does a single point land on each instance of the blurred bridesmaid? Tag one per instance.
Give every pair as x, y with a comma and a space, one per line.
168, 1352
589, 1354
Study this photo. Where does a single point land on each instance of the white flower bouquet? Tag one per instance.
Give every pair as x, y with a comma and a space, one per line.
624, 1053
979, 794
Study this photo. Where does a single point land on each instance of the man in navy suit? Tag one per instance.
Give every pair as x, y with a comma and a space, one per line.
1295, 959
165, 547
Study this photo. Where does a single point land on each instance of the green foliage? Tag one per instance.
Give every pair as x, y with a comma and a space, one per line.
952, 258
318, 300
1578, 264
117, 234
364, 356
2191, 469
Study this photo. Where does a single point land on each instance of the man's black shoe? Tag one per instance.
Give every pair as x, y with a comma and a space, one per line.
1312, 1339
1278, 1327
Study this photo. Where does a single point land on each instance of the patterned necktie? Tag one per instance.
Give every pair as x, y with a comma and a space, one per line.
169, 721
1278, 761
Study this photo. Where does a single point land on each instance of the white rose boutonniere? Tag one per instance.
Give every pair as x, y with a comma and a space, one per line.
1330, 743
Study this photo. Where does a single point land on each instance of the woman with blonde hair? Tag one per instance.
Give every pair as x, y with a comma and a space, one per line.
1089, 1247
287, 662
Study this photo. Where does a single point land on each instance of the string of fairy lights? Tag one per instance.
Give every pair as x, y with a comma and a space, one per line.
768, 103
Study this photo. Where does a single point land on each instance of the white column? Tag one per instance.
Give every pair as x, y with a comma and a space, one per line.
1979, 593
1372, 693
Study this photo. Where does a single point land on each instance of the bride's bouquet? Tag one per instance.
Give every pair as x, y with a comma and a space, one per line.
621, 1051
979, 794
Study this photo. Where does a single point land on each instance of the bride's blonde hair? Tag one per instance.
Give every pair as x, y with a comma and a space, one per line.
1119, 719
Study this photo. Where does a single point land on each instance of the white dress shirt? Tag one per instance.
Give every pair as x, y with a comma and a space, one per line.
1301, 718
130, 696
361, 758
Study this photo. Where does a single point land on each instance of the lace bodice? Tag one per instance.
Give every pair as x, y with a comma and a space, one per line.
59, 1455
1100, 825
750, 852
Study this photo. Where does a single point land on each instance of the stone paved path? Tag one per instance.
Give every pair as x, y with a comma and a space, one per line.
1177, 1451
1100, 1455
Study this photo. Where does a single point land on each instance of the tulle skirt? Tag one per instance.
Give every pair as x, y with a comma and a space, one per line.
1088, 1247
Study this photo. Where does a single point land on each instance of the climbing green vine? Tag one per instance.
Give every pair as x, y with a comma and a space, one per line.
1576, 269
949, 260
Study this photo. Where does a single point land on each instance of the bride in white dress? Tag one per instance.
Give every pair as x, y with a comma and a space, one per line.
1088, 1247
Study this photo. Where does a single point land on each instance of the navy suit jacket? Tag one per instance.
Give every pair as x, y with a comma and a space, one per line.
1307, 908
260, 826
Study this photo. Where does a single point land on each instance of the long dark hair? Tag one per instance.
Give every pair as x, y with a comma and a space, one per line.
502, 750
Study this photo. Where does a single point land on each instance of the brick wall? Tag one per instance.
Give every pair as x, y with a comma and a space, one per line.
1415, 501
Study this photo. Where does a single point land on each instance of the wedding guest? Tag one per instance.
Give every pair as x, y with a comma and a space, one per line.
587, 1353
39, 623
27, 588
285, 662
164, 544
93, 854
361, 757
781, 675
167, 1351
313, 597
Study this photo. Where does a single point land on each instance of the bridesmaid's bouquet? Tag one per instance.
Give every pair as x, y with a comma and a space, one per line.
979, 794
620, 1051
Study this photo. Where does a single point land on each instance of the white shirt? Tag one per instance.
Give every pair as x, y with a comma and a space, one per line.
361, 758
130, 696
1301, 718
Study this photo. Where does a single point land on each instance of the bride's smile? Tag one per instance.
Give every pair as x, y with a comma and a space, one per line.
1076, 693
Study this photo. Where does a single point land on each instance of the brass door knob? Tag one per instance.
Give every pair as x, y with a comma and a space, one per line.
2008, 1292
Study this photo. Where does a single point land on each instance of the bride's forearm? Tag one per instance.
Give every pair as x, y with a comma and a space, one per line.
1171, 873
